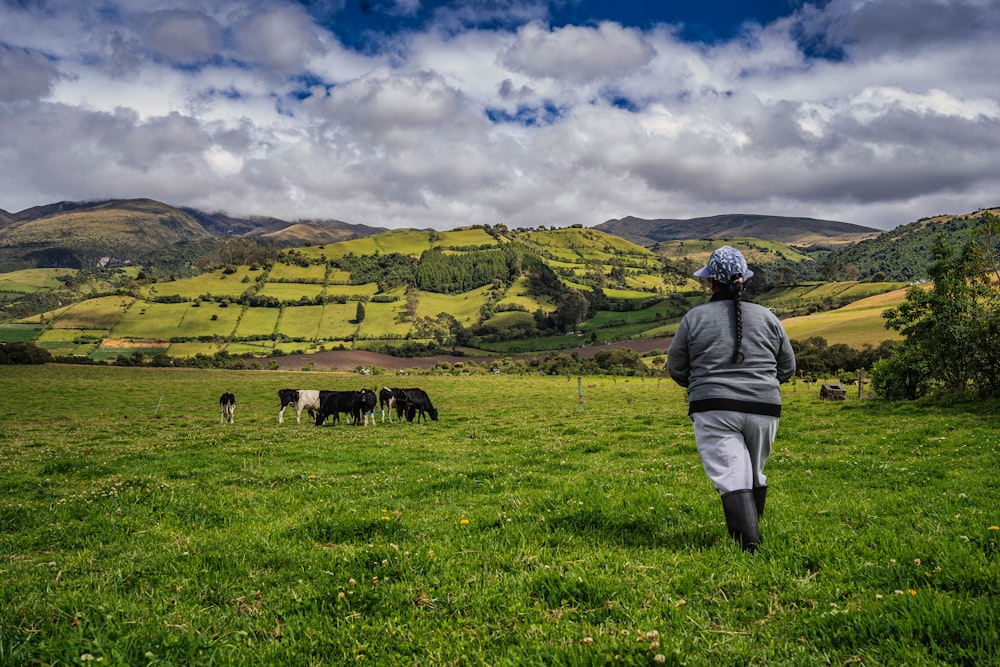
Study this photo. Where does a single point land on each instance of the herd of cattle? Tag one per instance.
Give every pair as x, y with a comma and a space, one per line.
322, 405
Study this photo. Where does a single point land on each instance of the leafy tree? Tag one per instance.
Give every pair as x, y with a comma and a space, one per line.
14, 354
360, 312
572, 310
952, 328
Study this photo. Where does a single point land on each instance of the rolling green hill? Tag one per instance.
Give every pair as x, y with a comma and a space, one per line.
485, 287
904, 253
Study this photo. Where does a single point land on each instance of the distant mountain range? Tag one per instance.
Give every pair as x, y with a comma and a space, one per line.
79, 234
145, 231
789, 230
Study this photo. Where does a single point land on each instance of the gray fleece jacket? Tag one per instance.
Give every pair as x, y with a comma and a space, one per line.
700, 358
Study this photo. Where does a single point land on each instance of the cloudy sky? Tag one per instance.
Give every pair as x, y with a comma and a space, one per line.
421, 113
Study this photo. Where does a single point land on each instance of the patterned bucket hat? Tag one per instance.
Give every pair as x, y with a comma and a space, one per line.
726, 265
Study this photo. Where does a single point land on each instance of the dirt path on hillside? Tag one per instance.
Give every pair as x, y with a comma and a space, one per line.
348, 360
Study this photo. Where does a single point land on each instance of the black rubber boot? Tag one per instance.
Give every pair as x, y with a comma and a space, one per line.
759, 495
741, 518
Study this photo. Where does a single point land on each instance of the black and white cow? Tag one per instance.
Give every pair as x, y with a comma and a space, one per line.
367, 400
417, 404
227, 403
300, 399
392, 399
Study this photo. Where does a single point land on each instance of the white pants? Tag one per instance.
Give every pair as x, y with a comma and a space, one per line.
734, 447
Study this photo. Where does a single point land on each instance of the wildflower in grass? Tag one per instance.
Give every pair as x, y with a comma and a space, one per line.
465, 522
340, 595
351, 582
911, 591
994, 528
892, 561
659, 658
916, 561
587, 641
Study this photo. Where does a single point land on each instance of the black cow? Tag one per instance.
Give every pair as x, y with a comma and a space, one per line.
392, 399
335, 402
227, 402
417, 403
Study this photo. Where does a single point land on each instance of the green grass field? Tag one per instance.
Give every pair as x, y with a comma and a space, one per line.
518, 530
291, 291
294, 272
29, 281
301, 321
18, 333
856, 324
258, 321
216, 283
100, 313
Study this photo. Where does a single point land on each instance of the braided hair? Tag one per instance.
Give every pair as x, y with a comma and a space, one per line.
735, 286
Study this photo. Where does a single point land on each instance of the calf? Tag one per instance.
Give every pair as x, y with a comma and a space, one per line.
417, 403
300, 399
227, 402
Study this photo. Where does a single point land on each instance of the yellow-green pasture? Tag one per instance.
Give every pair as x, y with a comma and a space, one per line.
383, 319
510, 319
193, 349
258, 348
465, 238
627, 294
646, 281
464, 307
518, 294
756, 251
63, 342
102, 313
296, 273
856, 325
30, 281
337, 321
214, 283
338, 277
145, 319
367, 289
258, 321
301, 321
402, 241
818, 292
290, 291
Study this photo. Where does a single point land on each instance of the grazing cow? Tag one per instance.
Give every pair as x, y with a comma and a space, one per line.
300, 399
417, 403
228, 404
392, 399
335, 402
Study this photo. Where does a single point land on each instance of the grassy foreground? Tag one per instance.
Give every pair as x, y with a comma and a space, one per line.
136, 529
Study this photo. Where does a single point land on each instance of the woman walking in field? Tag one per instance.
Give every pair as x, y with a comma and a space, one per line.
732, 356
